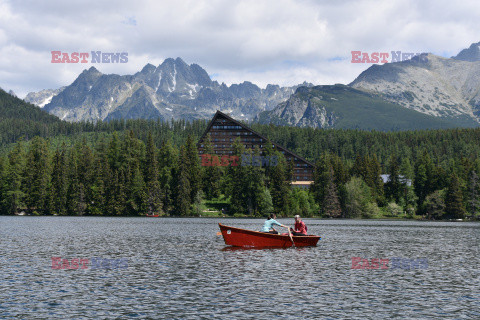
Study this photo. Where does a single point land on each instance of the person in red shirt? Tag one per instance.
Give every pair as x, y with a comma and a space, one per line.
300, 228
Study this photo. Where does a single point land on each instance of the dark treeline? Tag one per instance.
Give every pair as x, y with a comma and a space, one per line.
154, 168
122, 175
442, 146
133, 167
11, 130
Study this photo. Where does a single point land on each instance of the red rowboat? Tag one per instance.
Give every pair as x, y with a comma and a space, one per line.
254, 239
152, 215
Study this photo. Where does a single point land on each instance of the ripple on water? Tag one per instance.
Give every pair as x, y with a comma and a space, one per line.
179, 268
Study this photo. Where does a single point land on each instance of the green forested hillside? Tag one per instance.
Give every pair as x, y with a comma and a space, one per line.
19, 118
350, 108
136, 167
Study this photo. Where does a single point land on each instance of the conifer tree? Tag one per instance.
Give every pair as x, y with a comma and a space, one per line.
114, 152
331, 203
13, 197
474, 199
213, 173
59, 183
120, 199
183, 196
168, 167
237, 186
154, 192
321, 178
279, 185
36, 176
394, 187
194, 172
406, 169
434, 205
137, 199
86, 169
102, 178
454, 207
375, 181
368, 168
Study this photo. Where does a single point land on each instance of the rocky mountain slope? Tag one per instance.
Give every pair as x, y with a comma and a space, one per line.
447, 89
340, 106
441, 87
174, 89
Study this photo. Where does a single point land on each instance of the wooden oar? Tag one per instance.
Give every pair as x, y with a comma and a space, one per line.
219, 233
291, 238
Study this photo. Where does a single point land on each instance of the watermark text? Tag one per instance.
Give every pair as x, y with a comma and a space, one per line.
93, 57
94, 263
381, 57
393, 263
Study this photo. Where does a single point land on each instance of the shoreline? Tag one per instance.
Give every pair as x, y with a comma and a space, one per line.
260, 218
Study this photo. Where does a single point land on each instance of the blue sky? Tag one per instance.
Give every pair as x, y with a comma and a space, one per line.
281, 42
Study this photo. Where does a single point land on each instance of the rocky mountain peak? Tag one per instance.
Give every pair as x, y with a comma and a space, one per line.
89, 76
91, 70
471, 54
149, 68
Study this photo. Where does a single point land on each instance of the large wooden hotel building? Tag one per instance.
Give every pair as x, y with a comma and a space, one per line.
224, 130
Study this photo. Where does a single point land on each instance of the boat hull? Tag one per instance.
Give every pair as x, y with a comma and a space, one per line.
254, 239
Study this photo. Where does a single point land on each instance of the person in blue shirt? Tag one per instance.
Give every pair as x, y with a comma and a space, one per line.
270, 222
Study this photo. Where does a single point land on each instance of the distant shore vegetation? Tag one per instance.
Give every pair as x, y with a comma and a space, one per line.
140, 167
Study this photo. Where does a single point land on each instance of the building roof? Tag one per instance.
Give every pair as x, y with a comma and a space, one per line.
219, 113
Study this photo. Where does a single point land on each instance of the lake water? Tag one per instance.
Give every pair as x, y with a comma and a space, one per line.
180, 269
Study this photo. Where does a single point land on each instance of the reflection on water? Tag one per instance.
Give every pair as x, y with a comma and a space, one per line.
180, 268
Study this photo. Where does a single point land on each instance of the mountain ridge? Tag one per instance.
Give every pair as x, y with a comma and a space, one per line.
343, 107
173, 89
443, 88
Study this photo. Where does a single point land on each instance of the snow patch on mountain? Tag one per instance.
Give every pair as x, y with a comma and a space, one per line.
43, 97
46, 101
158, 83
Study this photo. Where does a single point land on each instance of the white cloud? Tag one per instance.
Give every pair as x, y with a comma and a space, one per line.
283, 41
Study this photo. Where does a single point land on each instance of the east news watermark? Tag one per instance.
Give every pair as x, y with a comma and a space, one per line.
382, 57
89, 57
212, 160
59, 263
389, 263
